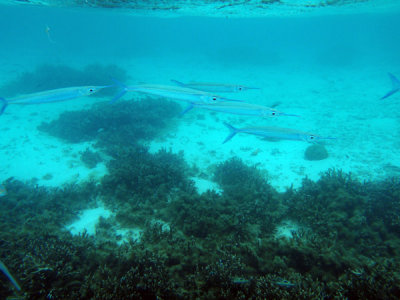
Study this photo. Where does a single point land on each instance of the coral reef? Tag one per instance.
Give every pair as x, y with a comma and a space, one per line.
211, 246
136, 172
32, 236
247, 188
387, 209
120, 124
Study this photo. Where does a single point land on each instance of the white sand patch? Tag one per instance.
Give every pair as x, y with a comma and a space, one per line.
88, 219
203, 185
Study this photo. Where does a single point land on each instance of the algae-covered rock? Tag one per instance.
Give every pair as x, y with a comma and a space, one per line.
316, 152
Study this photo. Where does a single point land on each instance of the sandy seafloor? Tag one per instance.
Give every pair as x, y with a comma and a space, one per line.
336, 100
345, 107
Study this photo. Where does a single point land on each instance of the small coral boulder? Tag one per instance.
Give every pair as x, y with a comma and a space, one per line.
316, 152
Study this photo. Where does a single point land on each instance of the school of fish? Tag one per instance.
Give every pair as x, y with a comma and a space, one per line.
197, 95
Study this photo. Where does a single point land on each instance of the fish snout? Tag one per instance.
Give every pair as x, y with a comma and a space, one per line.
269, 113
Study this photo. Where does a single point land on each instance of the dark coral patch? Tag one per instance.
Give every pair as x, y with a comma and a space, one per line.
120, 124
207, 246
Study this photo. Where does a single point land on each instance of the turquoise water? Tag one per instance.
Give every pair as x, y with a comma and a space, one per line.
132, 200
101, 35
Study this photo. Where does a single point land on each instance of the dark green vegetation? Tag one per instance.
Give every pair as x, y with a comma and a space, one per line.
48, 77
114, 124
214, 246
90, 158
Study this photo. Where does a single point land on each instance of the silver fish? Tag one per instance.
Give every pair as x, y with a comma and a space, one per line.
178, 93
243, 108
49, 96
214, 87
275, 132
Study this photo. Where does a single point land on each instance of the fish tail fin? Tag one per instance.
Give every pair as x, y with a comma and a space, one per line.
232, 133
395, 86
178, 83
5, 271
3, 106
123, 91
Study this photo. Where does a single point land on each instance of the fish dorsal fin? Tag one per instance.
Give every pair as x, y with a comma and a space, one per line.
395, 86
395, 81
178, 83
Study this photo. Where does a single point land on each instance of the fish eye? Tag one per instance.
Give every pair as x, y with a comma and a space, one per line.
214, 98
311, 137
273, 113
91, 90
240, 88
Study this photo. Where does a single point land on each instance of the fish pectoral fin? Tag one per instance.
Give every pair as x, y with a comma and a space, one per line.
3, 106
188, 108
395, 81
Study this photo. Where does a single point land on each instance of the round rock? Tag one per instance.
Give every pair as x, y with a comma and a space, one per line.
315, 152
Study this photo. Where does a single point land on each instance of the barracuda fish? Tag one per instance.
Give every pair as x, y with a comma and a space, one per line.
4, 269
395, 86
276, 133
50, 96
214, 87
175, 92
241, 108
